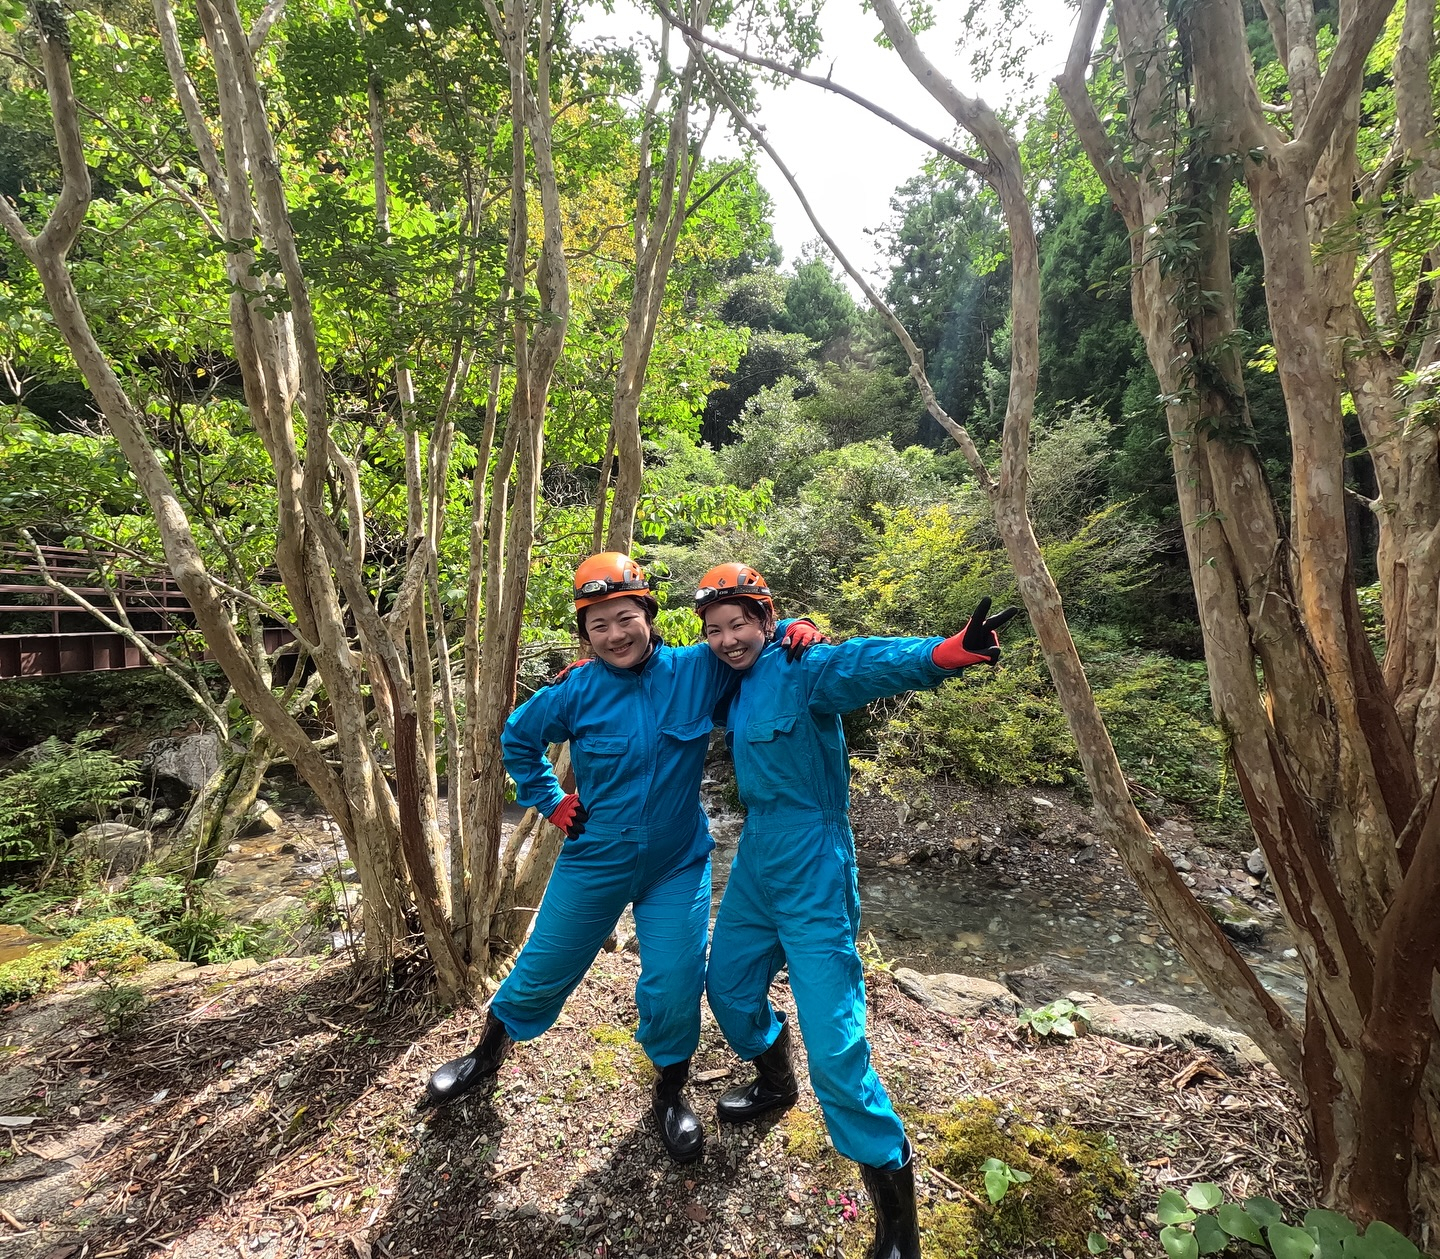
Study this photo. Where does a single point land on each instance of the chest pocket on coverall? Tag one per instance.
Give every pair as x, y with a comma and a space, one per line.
771, 758
597, 759
683, 732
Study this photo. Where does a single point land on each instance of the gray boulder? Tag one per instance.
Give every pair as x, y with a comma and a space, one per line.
1161, 1024
119, 847
191, 759
278, 907
958, 995
261, 819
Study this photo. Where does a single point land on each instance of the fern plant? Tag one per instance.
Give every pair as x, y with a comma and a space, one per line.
62, 785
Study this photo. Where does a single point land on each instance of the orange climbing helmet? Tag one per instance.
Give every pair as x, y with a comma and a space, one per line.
733, 581
609, 575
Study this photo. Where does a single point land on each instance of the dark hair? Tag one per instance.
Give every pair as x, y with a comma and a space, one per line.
752, 610
648, 605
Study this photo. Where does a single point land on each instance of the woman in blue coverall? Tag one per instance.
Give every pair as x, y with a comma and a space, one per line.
792, 897
638, 722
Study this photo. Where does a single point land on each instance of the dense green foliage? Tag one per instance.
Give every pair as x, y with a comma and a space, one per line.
779, 421
105, 946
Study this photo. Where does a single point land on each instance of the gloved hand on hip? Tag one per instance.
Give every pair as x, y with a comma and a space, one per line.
570, 816
978, 642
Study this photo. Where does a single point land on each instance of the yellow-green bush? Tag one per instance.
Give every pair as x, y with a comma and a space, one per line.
112, 946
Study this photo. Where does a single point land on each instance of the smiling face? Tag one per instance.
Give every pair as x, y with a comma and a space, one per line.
737, 632
619, 632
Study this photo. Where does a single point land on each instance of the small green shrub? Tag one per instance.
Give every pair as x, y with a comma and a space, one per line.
1157, 710
1201, 1222
999, 1176
1056, 1019
118, 1004
175, 913
29, 976
1000, 728
1006, 728
63, 784
113, 945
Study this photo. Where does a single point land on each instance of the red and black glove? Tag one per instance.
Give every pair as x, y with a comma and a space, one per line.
570, 816
978, 642
802, 635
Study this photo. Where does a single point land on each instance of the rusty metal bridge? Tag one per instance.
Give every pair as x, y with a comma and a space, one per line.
43, 633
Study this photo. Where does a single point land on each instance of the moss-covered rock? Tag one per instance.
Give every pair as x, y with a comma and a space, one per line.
25, 977
112, 946
1073, 1174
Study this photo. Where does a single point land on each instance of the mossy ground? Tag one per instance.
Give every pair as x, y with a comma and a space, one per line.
1074, 1176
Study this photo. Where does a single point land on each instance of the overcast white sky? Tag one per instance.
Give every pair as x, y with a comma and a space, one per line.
848, 161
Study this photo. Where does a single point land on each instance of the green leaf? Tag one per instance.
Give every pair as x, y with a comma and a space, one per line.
1329, 1229
1236, 1221
1290, 1243
993, 1165
1209, 1236
1097, 1243
1204, 1196
1172, 1209
1264, 1211
1179, 1243
1380, 1242
1017, 1175
997, 1184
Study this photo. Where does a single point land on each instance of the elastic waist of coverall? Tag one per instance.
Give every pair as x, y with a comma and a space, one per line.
682, 825
790, 815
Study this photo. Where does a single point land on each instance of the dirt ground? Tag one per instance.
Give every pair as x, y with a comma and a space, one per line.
260, 1113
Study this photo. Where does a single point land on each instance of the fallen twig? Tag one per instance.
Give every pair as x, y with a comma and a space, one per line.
314, 1187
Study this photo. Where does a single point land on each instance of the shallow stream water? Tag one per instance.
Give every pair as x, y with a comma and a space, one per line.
17, 942
1093, 935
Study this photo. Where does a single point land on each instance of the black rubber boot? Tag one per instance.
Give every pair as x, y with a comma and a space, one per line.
458, 1076
897, 1221
678, 1125
774, 1088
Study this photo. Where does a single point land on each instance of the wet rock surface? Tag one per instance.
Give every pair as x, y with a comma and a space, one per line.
1007, 885
959, 996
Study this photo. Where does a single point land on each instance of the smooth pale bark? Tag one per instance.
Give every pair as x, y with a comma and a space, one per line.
537, 341
1330, 750
660, 215
393, 675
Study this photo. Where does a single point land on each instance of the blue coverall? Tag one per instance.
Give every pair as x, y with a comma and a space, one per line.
793, 895
637, 740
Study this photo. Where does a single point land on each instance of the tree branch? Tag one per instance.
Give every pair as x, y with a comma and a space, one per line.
1342, 77
69, 210
1121, 184
912, 351
264, 23
694, 36
189, 99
